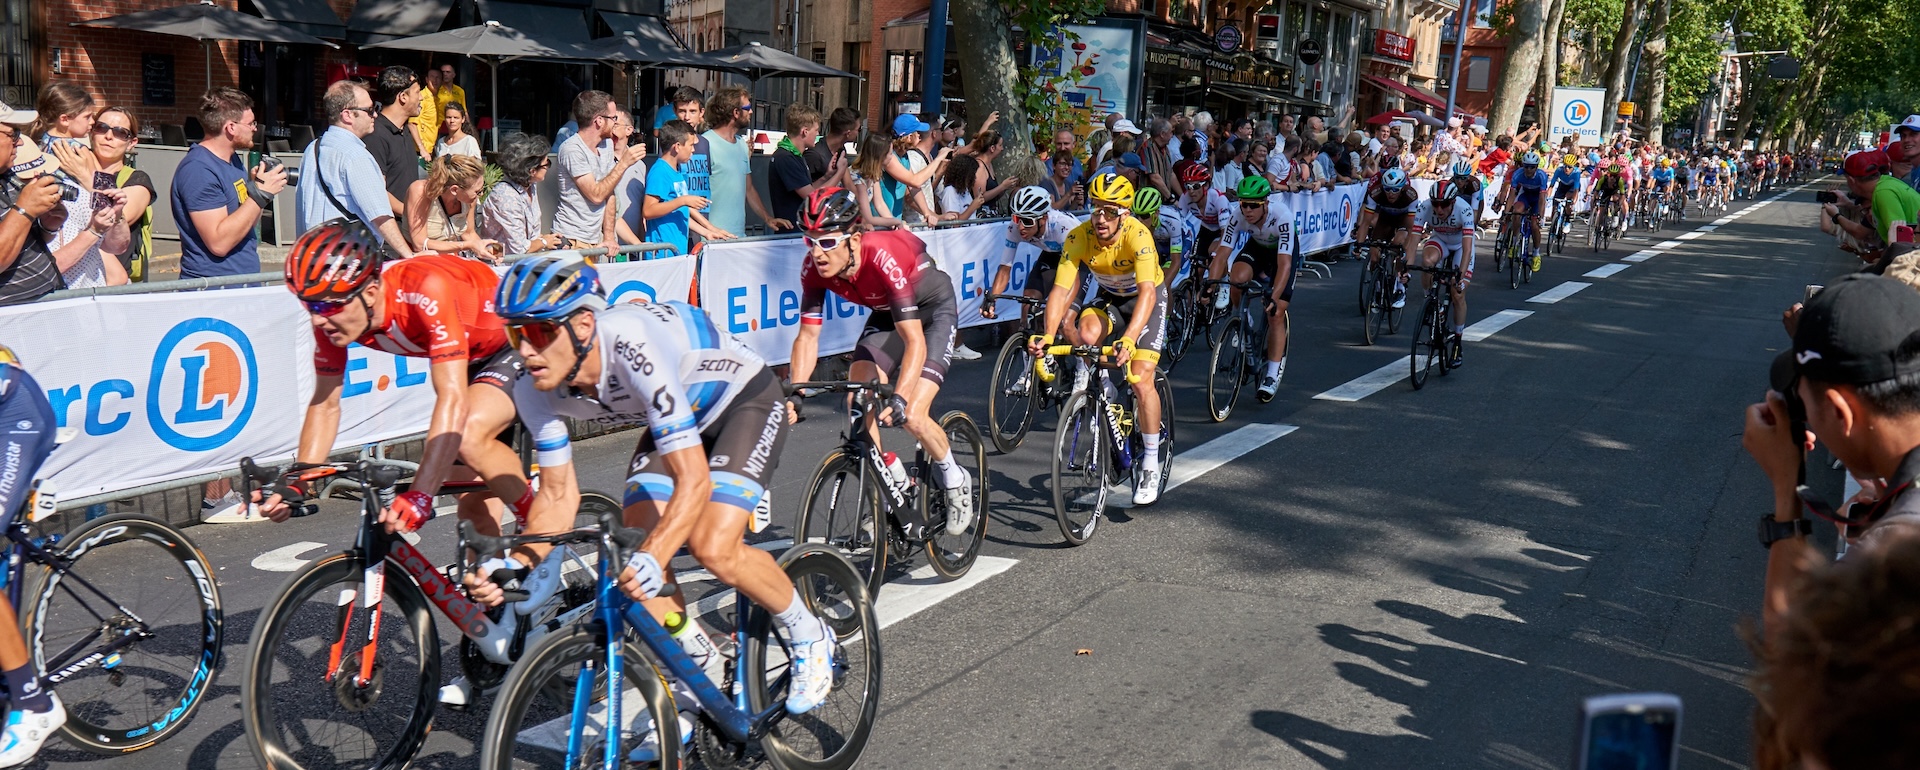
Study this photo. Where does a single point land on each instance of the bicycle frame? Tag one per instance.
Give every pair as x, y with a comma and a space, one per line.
59, 667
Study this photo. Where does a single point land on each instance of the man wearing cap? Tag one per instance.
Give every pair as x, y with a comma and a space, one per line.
1896, 207
27, 271
1852, 379
1121, 126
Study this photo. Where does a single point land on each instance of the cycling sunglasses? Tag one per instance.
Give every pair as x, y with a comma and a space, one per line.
1108, 212
824, 243
328, 308
1028, 221
1250, 205
539, 334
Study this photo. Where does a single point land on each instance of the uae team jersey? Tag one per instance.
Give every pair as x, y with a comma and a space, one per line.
1449, 230
439, 307
662, 365
1119, 267
887, 279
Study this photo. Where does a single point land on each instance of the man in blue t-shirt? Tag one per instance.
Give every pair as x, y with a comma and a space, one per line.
221, 216
670, 202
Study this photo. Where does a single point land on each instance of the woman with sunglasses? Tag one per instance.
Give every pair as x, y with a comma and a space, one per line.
914, 319
115, 134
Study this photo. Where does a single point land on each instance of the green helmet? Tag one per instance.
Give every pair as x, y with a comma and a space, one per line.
1252, 188
1146, 202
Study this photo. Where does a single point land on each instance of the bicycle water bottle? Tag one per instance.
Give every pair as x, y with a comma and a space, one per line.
694, 640
896, 469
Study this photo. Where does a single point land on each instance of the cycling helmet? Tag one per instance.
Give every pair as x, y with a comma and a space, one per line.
1195, 173
333, 261
1463, 168
548, 288
1666, 163
1111, 188
828, 208
1530, 160
1032, 202
1393, 180
1570, 161
1253, 188
1444, 191
1146, 202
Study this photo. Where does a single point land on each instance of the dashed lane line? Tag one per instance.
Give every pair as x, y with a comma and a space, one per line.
1385, 376
1200, 460
1558, 293
1606, 270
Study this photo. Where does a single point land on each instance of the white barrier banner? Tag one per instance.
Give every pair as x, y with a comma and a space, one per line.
1324, 219
752, 291
970, 256
662, 280
1489, 193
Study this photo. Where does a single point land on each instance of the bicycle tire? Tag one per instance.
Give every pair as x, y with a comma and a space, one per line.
510, 744
1012, 416
1164, 387
1367, 269
1371, 316
1423, 337
861, 534
1080, 458
1182, 315
1225, 376
1513, 271
827, 583
263, 733
952, 555
180, 686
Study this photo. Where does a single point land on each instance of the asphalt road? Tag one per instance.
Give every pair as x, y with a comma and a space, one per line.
1402, 579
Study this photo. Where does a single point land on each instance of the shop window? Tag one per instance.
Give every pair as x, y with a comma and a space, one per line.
1483, 13
1479, 68
1296, 25
1443, 71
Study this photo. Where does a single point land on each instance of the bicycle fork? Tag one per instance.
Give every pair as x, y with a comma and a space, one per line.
373, 586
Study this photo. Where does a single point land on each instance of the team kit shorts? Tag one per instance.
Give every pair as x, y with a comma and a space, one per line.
743, 448
1265, 261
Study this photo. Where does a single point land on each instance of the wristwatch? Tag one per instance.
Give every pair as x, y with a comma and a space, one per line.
1773, 530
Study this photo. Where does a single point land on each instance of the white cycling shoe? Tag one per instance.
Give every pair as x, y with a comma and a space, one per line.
812, 669
649, 748
27, 731
1146, 485
960, 506
1269, 385
461, 694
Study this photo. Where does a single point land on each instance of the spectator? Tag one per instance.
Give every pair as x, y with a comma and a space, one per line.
511, 214
65, 112
393, 148
1227, 166
426, 124
1908, 134
217, 233
987, 147
670, 202
589, 172
630, 194
1450, 141
27, 271
456, 141
1063, 143
448, 90
449, 198
1309, 174
870, 180
730, 168
1182, 132
843, 129
910, 171
115, 133
1118, 148
1279, 165
1158, 156
1286, 128
1107, 152
1500, 155
1243, 130
338, 171
1202, 121
956, 189
81, 251
789, 181
1895, 206
1061, 185
1899, 166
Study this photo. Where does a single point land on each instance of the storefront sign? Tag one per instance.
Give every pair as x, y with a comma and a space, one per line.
1258, 74
1218, 64
1228, 38
1172, 59
1392, 45
1309, 51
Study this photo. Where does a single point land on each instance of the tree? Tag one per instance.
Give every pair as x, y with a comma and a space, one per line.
1618, 61
1522, 66
1550, 58
1655, 59
993, 79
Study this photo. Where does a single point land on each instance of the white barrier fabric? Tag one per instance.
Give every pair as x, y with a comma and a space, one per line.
1325, 219
752, 290
1489, 193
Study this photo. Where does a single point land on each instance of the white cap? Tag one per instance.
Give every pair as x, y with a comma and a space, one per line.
13, 117
1912, 123
1479, 128
1124, 126
1453, 122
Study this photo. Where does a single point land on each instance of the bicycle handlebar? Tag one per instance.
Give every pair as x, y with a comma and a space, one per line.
810, 389
1020, 298
1089, 351
612, 539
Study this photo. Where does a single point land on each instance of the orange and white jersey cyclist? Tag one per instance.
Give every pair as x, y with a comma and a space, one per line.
437, 307
1129, 305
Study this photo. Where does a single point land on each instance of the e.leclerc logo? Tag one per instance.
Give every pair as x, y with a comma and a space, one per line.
1578, 112
203, 386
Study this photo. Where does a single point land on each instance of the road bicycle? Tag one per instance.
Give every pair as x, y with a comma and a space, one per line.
1016, 397
560, 707
1603, 225
1520, 264
131, 640
1242, 347
324, 687
1378, 277
1434, 341
1096, 445
1561, 222
1188, 312
860, 508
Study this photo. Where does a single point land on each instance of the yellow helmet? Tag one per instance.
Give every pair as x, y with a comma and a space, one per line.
1112, 188
1666, 163
1570, 161
7, 356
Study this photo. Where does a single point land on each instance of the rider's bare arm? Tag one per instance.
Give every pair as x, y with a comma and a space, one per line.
444, 431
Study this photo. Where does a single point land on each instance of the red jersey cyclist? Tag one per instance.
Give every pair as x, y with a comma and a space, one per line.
910, 331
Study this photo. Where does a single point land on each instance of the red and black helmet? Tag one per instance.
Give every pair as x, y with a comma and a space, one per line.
1194, 173
333, 261
828, 208
1444, 191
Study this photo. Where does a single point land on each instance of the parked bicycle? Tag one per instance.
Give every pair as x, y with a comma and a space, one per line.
1434, 341
1097, 444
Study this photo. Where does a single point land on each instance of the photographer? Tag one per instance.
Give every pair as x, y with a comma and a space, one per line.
27, 271
1850, 222
1852, 381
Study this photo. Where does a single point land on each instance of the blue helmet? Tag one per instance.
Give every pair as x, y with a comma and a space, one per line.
548, 288
1394, 180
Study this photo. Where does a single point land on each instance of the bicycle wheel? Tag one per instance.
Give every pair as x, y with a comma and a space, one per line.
1374, 311
834, 734
1182, 315
952, 555
1223, 379
844, 512
1164, 387
1426, 345
533, 713
299, 714
1513, 270
1367, 268
1080, 459
129, 643
1011, 402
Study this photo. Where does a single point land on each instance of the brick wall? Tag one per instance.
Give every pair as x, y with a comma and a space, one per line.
107, 61
879, 113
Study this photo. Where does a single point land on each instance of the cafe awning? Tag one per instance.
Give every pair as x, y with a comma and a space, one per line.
378, 21
1411, 92
646, 27
313, 17
549, 23
1248, 93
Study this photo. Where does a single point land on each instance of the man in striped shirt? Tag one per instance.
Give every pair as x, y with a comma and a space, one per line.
27, 271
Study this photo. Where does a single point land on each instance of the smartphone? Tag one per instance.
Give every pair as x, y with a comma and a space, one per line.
103, 180
1633, 731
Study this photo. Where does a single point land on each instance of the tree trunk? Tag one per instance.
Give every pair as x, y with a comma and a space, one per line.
1750, 97
1550, 61
1656, 64
983, 34
1619, 61
1521, 69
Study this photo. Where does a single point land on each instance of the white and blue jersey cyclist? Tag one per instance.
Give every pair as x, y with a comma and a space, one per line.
34, 712
1035, 222
715, 419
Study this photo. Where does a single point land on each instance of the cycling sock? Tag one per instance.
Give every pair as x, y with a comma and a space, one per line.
801, 625
950, 474
1273, 368
24, 685
522, 508
1151, 442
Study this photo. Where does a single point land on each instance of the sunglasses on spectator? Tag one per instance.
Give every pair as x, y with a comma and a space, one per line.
10, 135
124, 135
823, 243
539, 334
544, 164
1108, 212
368, 110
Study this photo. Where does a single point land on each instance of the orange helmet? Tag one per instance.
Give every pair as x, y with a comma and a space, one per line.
333, 261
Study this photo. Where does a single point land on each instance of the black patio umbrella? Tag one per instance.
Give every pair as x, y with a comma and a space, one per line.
631, 48
757, 61
204, 21
494, 44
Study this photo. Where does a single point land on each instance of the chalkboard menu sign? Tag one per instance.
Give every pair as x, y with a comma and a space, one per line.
156, 79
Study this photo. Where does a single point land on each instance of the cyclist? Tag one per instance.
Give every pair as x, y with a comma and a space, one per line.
1609, 191
1447, 230
1467, 187
1257, 241
1130, 300
1201, 201
1663, 180
1683, 172
1174, 233
1035, 221
912, 325
35, 713
1387, 215
1566, 187
1527, 186
1707, 181
715, 420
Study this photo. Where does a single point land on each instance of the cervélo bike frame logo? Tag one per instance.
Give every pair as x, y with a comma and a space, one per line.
203, 386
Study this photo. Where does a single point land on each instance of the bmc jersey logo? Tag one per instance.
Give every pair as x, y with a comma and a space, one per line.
203, 385
1578, 112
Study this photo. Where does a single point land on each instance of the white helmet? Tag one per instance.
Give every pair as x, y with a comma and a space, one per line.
1031, 202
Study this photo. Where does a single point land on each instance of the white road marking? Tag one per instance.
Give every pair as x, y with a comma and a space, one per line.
1667, 245
1708, 228
1692, 235
1488, 326
1379, 379
1642, 256
1722, 221
1607, 270
1193, 463
1558, 293
285, 558
901, 598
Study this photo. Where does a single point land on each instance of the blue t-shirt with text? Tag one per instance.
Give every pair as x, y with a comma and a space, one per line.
666, 183
204, 182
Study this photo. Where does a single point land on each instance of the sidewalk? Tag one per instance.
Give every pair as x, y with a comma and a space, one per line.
166, 267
